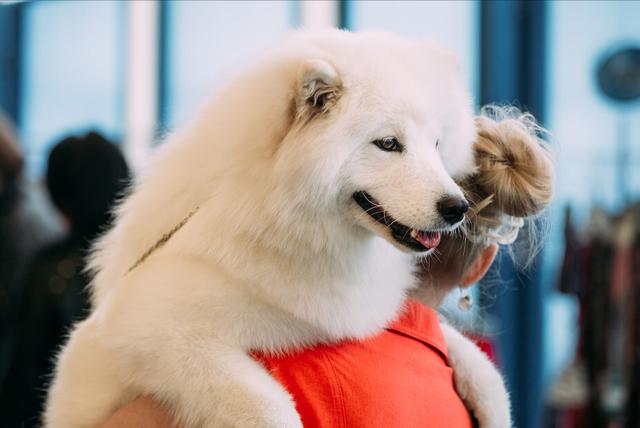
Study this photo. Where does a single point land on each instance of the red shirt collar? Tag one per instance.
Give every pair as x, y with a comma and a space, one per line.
421, 323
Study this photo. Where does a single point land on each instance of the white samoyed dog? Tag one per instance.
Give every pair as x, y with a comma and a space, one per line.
289, 213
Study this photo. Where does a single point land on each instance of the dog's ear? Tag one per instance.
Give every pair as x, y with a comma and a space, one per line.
319, 88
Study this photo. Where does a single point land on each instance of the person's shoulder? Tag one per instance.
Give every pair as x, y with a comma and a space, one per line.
56, 258
50, 254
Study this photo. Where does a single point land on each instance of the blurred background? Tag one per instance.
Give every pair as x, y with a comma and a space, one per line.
89, 87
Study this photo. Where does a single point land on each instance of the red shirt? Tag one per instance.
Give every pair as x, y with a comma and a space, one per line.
398, 378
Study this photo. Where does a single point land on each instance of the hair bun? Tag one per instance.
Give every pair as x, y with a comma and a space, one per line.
514, 164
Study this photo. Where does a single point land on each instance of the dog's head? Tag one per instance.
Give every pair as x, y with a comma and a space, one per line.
381, 128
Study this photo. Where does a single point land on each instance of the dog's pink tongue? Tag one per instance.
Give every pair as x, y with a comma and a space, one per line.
428, 239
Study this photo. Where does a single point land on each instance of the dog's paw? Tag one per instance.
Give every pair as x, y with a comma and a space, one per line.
273, 415
484, 393
478, 382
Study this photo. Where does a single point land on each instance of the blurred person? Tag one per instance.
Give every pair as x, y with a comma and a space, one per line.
85, 176
25, 226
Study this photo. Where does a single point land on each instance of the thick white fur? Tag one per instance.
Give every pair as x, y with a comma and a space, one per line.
276, 255
477, 381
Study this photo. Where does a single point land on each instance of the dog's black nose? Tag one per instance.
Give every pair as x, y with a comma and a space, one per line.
452, 208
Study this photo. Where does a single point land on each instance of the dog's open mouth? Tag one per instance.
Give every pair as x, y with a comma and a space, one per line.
416, 240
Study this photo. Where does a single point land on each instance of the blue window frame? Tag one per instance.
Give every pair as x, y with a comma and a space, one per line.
10, 21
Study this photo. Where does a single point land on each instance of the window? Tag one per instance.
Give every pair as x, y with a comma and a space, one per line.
453, 24
208, 41
586, 125
72, 78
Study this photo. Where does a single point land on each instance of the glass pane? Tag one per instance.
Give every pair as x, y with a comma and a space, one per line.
452, 24
72, 77
208, 41
582, 35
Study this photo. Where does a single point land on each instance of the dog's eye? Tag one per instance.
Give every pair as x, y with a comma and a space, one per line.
388, 144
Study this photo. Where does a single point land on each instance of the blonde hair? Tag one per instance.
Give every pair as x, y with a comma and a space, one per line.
513, 182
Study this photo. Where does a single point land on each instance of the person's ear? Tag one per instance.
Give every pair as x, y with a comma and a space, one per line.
480, 266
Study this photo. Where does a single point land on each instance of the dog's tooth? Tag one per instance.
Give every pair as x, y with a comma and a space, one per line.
413, 233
